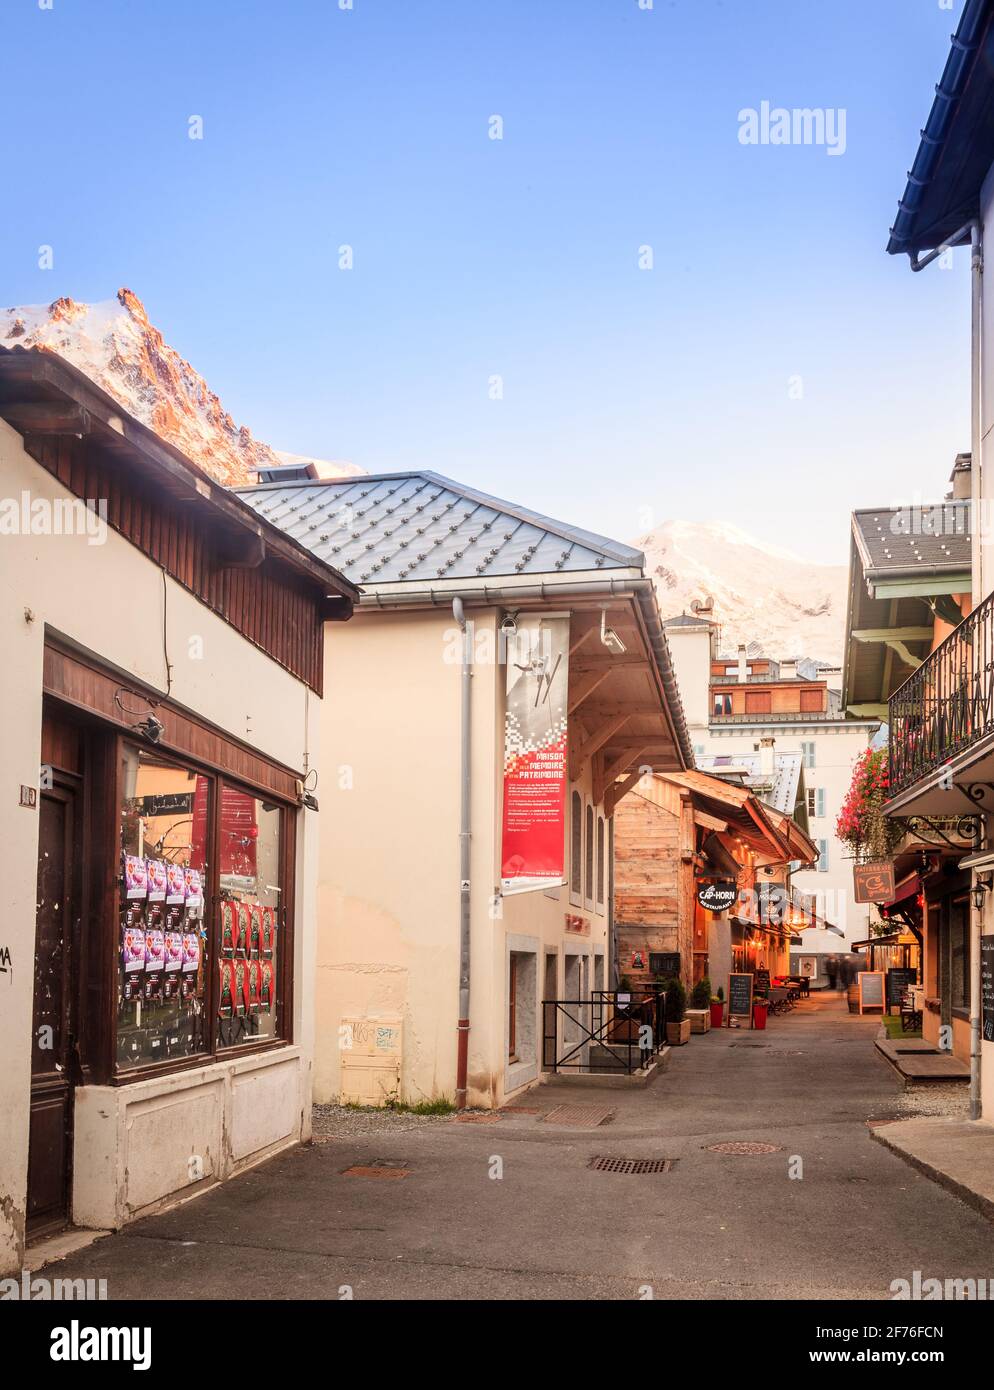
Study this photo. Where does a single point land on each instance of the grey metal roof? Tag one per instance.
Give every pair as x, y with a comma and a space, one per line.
778, 789
686, 620
914, 540
419, 527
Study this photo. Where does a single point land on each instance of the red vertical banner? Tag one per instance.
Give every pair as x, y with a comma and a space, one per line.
535, 726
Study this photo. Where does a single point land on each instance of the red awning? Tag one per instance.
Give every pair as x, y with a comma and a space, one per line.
908, 887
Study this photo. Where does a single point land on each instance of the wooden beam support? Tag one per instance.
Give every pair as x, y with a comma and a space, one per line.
594, 743
617, 790
583, 687
599, 663
611, 770
47, 417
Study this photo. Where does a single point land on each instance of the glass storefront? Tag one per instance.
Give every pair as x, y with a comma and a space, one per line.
200, 913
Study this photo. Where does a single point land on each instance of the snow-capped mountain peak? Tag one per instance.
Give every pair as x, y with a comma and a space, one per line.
760, 593
117, 347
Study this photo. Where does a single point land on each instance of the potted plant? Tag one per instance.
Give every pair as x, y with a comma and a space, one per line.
718, 1008
677, 1023
699, 1012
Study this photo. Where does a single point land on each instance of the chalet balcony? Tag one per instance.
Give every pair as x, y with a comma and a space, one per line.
942, 723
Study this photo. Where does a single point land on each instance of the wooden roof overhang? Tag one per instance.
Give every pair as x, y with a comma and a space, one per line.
624, 711
620, 717
270, 589
43, 397
750, 822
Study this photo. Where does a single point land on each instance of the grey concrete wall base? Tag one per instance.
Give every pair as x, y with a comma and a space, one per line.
616, 1080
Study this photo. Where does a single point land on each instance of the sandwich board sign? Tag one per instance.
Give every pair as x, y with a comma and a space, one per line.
871, 990
740, 997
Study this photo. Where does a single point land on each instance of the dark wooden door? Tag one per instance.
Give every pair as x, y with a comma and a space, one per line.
52, 1041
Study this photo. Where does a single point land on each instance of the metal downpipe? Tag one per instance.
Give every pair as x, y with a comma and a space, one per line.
465, 829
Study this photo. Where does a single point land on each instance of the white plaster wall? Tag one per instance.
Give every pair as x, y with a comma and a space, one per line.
389, 881
690, 651
108, 599
983, 558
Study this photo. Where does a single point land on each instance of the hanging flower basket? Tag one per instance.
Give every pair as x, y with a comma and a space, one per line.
862, 824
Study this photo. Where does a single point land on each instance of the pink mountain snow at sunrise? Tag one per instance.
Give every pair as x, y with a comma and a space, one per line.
116, 346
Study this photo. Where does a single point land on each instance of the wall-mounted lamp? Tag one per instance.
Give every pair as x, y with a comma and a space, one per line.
150, 728
982, 886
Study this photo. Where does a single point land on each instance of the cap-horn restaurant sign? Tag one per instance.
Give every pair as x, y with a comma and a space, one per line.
874, 882
717, 896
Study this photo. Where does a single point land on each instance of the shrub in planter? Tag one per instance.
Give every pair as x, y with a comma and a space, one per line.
700, 1006
677, 1023
718, 1008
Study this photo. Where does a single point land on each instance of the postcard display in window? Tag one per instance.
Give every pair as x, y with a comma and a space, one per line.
162, 978
249, 907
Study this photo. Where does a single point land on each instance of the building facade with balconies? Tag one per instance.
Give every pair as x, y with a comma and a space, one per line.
942, 716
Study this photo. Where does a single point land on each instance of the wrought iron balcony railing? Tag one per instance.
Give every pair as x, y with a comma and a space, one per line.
947, 706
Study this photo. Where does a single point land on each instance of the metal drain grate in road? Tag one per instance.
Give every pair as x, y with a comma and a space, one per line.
741, 1146
360, 1170
637, 1166
578, 1116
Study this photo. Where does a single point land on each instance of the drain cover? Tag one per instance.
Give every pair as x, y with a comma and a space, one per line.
368, 1171
630, 1165
579, 1116
743, 1147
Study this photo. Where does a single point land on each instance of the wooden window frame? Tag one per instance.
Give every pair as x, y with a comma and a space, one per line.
76, 690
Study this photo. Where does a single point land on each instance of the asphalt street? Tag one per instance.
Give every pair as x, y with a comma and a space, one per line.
510, 1208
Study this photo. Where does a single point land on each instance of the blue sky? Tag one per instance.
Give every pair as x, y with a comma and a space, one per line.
629, 395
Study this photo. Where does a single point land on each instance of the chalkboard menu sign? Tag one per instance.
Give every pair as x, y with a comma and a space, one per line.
899, 981
761, 983
740, 996
987, 987
871, 989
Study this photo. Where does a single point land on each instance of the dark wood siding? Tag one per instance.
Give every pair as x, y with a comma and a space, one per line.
269, 605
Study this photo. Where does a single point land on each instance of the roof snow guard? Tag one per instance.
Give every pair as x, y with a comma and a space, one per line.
421, 528
957, 144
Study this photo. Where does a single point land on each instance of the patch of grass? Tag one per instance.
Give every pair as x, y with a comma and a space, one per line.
892, 1022
422, 1107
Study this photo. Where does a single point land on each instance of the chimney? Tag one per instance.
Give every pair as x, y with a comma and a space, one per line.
767, 757
960, 478
743, 668
788, 670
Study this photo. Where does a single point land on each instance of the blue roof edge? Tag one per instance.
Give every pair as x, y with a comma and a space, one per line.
959, 65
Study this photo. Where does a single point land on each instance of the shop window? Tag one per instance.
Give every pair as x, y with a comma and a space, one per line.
959, 956
163, 981
201, 919
249, 883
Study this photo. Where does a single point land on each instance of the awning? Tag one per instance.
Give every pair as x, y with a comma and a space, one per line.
908, 887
